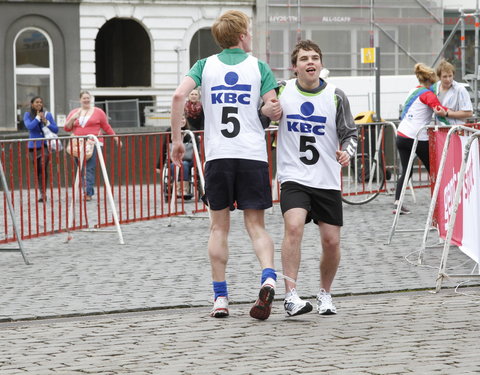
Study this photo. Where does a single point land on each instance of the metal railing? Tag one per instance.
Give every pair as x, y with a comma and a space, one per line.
141, 181
41, 185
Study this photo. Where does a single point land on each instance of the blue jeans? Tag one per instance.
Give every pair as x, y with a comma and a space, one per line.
88, 182
187, 168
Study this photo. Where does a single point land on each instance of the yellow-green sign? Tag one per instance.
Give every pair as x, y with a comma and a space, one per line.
368, 55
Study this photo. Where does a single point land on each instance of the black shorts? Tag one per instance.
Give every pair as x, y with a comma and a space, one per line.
322, 205
241, 181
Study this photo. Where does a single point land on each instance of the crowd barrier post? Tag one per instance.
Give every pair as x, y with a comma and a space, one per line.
406, 173
410, 184
108, 187
198, 162
13, 217
77, 188
436, 189
76, 193
451, 223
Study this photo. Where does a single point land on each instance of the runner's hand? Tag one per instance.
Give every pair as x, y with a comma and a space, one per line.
343, 158
178, 150
272, 109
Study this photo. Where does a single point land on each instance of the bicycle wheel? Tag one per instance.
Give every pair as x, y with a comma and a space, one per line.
362, 181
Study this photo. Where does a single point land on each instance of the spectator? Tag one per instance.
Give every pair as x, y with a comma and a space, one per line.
452, 95
194, 111
84, 121
35, 120
417, 112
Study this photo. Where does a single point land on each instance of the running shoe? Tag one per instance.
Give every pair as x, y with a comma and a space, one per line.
325, 305
220, 308
294, 305
403, 211
262, 307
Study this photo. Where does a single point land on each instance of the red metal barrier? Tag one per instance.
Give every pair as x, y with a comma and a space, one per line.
140, 191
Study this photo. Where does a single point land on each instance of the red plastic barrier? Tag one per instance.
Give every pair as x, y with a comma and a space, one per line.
435, 156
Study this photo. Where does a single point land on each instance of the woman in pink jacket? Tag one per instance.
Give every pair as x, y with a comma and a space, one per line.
84, 121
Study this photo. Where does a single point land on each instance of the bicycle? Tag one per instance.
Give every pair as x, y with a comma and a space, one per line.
366, 177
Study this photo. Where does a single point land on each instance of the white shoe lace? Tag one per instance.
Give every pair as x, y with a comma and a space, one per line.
325, 299
291, 294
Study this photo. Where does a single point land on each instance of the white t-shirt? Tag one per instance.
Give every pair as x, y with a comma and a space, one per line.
455, 98
230, 99
307, 138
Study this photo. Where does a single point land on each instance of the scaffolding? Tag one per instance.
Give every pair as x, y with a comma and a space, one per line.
471, 79
407, 32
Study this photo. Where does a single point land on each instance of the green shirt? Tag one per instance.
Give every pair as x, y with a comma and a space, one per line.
235, 56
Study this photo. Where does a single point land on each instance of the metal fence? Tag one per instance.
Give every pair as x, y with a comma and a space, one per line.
142, 182
140, 190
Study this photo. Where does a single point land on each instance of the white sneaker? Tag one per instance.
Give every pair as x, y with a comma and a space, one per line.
220, 308
325, 305
294, 305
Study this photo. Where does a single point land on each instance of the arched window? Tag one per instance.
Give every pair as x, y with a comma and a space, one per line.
202, 45
122, 54
33, 69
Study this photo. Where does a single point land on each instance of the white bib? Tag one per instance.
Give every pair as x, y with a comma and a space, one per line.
307, 138
230, 99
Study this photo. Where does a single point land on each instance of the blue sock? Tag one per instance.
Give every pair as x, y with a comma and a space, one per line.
268, 272
220, 289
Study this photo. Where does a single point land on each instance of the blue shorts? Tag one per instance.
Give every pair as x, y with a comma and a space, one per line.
322, 205
243, 182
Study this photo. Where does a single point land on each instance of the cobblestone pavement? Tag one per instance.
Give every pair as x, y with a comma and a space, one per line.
399, 333
164, 266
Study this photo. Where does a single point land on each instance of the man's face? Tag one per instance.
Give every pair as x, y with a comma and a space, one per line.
308, 65
447, 79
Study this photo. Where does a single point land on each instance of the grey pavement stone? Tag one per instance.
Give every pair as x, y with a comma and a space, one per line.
187, 341
163, 265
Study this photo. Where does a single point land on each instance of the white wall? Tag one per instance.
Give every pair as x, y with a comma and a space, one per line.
170, 26
361, 93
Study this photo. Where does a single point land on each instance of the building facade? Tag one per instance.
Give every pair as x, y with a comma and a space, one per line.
39, 55
141, 49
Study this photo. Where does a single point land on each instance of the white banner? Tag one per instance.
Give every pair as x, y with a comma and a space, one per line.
471, 203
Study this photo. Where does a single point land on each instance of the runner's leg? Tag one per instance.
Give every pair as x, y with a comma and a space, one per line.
294, 223
330, 236
261, 240
218, 242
